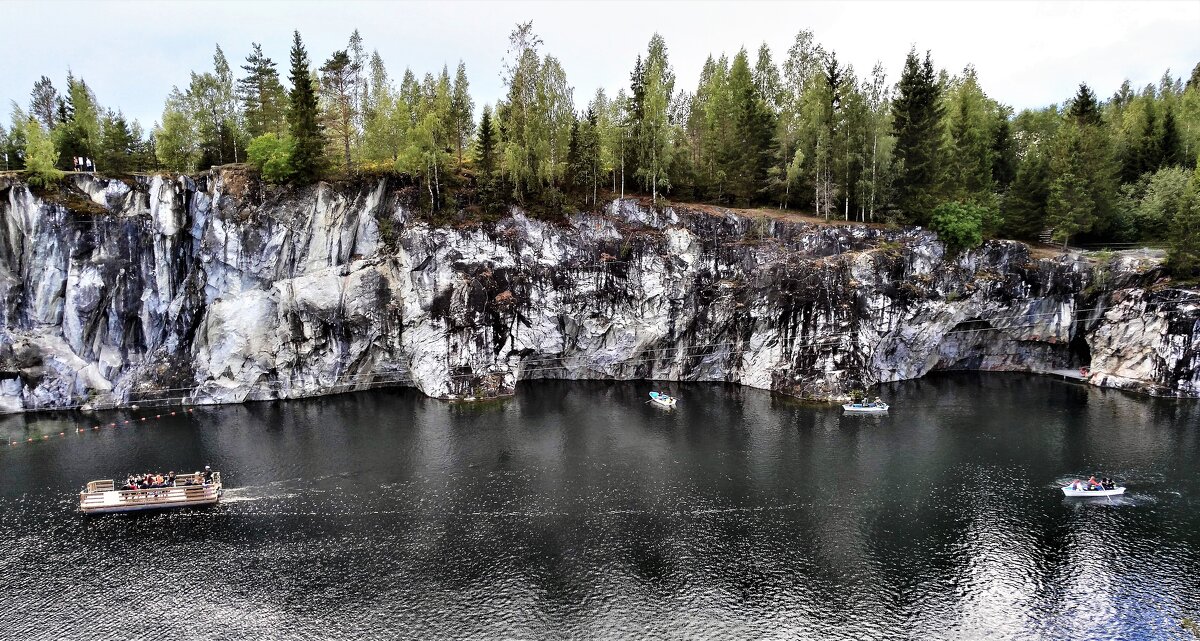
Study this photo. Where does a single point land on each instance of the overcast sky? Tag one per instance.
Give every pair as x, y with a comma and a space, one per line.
1028, 54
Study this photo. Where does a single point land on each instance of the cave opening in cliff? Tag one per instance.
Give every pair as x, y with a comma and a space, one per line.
1079, 351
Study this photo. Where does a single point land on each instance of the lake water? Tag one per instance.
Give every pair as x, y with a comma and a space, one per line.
575, 510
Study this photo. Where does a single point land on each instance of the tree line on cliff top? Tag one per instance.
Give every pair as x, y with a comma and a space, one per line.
808, 132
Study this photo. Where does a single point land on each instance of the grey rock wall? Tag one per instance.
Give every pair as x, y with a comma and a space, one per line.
217, 289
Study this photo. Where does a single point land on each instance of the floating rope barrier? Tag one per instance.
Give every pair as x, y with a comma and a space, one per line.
149, 420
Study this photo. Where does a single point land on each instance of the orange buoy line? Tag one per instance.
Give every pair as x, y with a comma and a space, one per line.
81, 430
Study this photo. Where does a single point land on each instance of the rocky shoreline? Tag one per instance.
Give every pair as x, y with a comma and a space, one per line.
217, 289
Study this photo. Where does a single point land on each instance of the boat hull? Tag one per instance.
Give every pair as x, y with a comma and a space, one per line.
1116, 491
141, 507
853, 408
103, 497
662, 400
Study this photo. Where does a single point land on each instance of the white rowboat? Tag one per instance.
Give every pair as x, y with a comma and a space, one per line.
663, 399
1116, 491
866, 408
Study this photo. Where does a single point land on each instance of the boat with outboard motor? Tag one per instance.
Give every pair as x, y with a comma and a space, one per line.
874, 407
1093, 487
1115, 491
663, 399
186, 490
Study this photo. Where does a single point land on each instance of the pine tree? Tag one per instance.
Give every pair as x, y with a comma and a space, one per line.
338, 88
971, 121
653, 86
303, 123
1069, 204
746, 161
462, 110
263, 97
1084, 108
42, 102
1024, 207
917, 113
118, 144
1004, 152
485, 143
1170, 145
79, 134
576, 171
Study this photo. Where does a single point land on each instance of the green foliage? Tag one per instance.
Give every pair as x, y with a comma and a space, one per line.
1024, 207
535, 118
804, 131
970, 118
959, 225
1155, 200
118, 145
338, 85
653, 85
272, 155
462, 111
308, 143
917, 115
263, 99
1083, 189
43, 101
40, 156
1183, 255
177, 144
78, 130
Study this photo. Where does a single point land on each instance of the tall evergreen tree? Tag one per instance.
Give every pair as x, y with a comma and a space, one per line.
653, 86
264, 101
118, 144
79, 135
1004, 152
917, 121
462, 110
747, 161
485, 143
43, 100
339, 90
1170, 144
1084, 108
303, 122
1024, 208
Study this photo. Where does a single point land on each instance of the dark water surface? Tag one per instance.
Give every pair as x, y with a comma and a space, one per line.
575, 510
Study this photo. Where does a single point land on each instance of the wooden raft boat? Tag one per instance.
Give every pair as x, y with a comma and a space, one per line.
103, 497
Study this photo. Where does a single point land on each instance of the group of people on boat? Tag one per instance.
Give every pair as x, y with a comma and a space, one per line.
151, 480
1093, 484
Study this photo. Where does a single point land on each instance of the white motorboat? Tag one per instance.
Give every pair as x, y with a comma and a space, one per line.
663, 399
876, 407
1070, 491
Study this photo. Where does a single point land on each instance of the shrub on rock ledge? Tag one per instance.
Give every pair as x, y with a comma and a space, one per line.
959, 225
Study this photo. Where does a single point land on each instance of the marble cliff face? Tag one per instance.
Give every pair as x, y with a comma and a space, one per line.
215, 289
